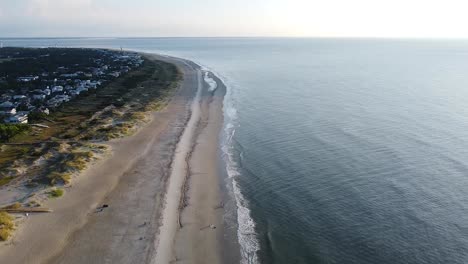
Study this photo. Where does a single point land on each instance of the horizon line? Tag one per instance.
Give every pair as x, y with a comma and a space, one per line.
234, 37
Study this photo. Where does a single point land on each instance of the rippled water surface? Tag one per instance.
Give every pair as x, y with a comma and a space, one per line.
344, 150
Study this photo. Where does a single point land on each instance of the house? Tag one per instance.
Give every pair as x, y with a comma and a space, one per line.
93, 85
46, 91
75, 92
27, 78
62, 98
57, 88
20, 118
19, 97
6, 104
69, 75
115, 74
7, 110
81, 89
38, 96
44, 110
5, 97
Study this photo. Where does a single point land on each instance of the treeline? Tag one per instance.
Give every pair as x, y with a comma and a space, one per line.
37, 61
7, 131
18, 62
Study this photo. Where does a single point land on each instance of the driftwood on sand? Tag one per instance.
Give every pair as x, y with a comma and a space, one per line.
27, 210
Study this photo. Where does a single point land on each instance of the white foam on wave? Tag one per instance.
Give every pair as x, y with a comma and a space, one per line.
247, 238
210, 81
249, 244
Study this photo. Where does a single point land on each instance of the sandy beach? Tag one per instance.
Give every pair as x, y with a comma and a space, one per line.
161, 186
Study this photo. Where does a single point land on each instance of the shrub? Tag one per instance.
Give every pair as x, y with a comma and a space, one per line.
6, 180
6, 226
55, 193
33, 203
7, 131
59, 177
13, 206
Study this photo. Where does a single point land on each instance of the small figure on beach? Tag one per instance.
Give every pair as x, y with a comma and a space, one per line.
101, 208
208, 226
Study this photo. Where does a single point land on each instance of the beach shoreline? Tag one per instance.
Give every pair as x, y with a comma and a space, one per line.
135, 182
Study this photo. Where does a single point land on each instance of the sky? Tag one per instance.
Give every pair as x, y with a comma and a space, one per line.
248, 18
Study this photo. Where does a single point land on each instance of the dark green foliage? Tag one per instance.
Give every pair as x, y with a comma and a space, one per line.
7, 131
36, 117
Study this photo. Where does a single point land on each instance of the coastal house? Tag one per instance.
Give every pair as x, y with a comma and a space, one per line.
44, 110
38, 96
6, 104
75, 92
46, 91
27, 78
69, 75
7, 110
93, 85
62, 98
115, 74
20, 118
19, 97
57, 88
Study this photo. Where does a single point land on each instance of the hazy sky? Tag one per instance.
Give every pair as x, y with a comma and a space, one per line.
348, 18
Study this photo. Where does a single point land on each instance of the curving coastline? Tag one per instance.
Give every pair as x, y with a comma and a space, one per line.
162, 186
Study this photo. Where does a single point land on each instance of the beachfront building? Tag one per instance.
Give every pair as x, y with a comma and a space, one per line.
19, 118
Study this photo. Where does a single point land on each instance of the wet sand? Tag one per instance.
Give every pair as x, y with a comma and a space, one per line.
161, 185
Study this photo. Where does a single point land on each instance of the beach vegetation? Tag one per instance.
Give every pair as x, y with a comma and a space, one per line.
13, 206
7, 226
55, 193
56, 177
6, 180
8, 131
114, 110
33, 203
79, 160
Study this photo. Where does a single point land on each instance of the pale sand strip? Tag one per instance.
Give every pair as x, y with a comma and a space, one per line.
74, 225
200, 240
192, 227
170, 223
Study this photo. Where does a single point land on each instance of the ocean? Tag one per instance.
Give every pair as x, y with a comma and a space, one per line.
349, 151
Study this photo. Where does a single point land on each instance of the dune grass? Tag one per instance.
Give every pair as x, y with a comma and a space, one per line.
7, 226
13, 206
55, 193
6, 180
59, 178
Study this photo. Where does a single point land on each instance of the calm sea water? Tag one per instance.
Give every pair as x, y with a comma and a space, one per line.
345, 151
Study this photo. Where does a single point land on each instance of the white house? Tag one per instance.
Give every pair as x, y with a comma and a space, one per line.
8, 111
19, 97
28, 78
57, 88
46, 91
17, 119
